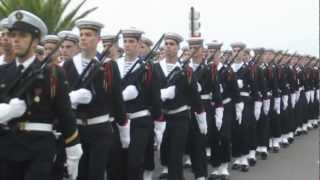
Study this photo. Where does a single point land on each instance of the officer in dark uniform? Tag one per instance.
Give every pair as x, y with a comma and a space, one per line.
95, 102
141, 93
240, 139
255, 96
197, 139
27, 140
263, 105
149, 164
179, 94
224, 114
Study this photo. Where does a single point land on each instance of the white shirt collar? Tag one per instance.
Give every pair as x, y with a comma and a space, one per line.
236, 66
163, 64
27, 62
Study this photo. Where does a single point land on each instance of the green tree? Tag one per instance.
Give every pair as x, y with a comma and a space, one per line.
52, 12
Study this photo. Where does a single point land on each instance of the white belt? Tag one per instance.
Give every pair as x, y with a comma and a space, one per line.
226, 101
244, 94
30, 126
95, 120
175, 111
206, 96
139, 114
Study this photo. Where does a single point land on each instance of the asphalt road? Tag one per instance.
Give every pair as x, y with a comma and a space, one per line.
300, 161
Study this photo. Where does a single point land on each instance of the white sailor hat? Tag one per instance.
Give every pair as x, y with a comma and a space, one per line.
54, 39
108, 38
132, 33
147, 41
195, 41
214, 45
240, 45
25, 21
4, 25
89, 24
174, 36
69, 35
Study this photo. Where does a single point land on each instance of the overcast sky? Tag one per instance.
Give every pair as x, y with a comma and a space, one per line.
278, 24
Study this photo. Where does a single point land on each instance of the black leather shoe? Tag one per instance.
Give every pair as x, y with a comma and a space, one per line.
163, 176
284, 145
218, 176
290, 140
187, 166
275, 149
264, 155
244, 168
252, 162
213, 177
235, 166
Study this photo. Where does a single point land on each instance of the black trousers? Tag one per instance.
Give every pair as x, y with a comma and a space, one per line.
141, 130
37, 165
240, 132
263, 130
96, 151
59, 169
117, 168
129, 164
252, 127
221, 140
174, 143
196, 148
149, 151
275, 124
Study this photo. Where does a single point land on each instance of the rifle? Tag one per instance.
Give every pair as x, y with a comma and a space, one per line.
172, 75
275, 57
145, 61
257, 56
86, 77
234, 58
282, 56
20, 84
291, 57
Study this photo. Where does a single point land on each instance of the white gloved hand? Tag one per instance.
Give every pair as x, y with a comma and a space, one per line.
199, 87
202, 122
308, 96
124, 132
218, 117
293, 99
266, 106
285, 99
80, 96
240, 83
74, 154
16, 108
257, 109
318, 94
168, 93
159, 127
297, 96
239, 110
130, 93
277, 106
312, 92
